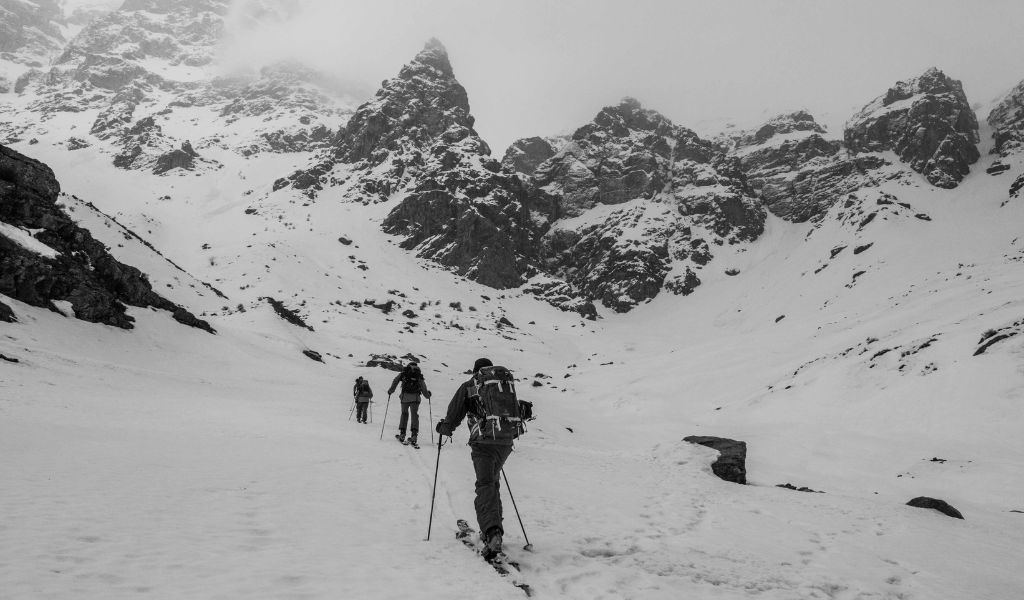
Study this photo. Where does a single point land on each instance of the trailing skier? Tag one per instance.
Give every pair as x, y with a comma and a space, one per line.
496, 417
362, 394
413, 386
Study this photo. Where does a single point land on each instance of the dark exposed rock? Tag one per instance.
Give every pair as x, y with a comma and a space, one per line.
385, 361
940, 505
927, 122
997, 168
345, 241
790, 486
525, 155
180, 158
1017, 186
76, 143
561, 295
668, 181
313, 355
81, 272
731, 464
9, 359
286, 313
7, 314
799, 172
1007, 121
994, 336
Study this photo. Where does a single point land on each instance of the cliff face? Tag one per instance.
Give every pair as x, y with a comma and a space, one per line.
927, 122
634, 204
45, 257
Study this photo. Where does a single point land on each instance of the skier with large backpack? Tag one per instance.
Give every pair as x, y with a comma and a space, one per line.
362, 394
496, 417
413, 385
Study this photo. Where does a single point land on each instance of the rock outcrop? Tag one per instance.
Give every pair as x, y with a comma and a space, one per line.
940, 505
46, 257
633, 205
525, 155
1007, 121
927, 122
797, 170
732, 461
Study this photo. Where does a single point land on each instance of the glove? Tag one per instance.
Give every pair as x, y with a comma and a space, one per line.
443, 428
428, 394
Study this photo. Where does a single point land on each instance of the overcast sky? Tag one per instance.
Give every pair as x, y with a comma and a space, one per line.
537, 67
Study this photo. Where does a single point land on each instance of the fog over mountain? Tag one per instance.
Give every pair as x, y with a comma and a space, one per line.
532, 66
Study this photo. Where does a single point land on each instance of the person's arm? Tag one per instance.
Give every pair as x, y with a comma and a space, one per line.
423, 387
369, 391
394, 384
456, 412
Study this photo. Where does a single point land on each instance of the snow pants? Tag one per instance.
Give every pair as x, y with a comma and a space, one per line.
488, 460
410, 418
361, 411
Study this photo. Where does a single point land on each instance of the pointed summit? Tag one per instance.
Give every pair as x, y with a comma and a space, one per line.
433, 56
419, 105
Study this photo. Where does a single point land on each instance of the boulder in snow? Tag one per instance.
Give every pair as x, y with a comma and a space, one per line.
732, 462
940, 505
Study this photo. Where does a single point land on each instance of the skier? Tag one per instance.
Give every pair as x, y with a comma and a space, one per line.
413, 385
488, 453
361, 393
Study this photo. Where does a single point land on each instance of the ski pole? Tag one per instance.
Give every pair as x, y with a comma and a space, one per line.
430, 411
371, 412
353, 409
528, 547
385, 417
437, 465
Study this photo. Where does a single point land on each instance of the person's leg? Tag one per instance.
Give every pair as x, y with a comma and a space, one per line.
361, 411
404, 421
487, 462
414, 419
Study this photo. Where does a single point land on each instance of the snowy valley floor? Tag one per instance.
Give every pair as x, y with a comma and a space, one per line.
175, 465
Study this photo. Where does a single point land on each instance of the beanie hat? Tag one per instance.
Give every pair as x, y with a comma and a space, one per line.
481, 363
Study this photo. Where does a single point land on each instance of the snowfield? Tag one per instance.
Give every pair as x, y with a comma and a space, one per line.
168, 463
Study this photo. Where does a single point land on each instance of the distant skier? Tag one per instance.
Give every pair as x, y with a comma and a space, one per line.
495, 420
362, 394
413, 385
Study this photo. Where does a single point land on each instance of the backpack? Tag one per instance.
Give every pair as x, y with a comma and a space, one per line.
497, 411
411, 377
363, 386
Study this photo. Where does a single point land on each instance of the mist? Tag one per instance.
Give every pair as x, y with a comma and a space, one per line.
535, 67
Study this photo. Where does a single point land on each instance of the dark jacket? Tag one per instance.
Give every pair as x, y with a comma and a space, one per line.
461, 406
364, 395
408, 398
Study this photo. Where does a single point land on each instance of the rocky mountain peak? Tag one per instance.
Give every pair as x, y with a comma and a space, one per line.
434, 55
413, 109
800, 120
926, 121
626, 117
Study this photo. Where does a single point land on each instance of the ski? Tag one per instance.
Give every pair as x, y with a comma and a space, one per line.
502, 564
